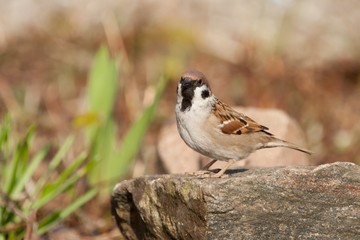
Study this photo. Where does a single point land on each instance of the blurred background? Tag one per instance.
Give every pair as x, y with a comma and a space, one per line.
105, 72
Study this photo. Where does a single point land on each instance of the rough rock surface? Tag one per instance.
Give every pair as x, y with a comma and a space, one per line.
177, 157
272, 203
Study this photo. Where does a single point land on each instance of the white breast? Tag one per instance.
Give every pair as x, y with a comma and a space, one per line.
191, 122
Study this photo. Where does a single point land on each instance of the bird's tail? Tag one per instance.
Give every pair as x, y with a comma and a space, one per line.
281, 143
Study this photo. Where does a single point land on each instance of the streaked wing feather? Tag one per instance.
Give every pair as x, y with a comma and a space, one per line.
233, 122
232, 126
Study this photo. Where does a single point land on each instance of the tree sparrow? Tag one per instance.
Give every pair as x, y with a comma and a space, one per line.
214, 129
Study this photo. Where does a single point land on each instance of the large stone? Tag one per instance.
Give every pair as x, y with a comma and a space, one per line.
177, 157
271, 203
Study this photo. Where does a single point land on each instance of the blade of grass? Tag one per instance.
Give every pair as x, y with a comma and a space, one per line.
29, 171
14, 168
53, 190
101, 95
64, 149
79, 160
102, 83
4, 132
46, 223
4, 137
54, 163
24, 153
17, 169
133, 138
103, 152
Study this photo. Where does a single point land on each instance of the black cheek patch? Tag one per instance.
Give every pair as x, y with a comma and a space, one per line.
205, 94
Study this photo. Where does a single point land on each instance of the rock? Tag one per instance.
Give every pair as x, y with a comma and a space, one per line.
177, 157
271, 203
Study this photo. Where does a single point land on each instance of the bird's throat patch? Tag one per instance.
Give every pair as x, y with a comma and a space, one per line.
187, 92
185, 104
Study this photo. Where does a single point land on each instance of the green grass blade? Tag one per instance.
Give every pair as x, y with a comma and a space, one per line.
64, 149
46, 223
17, 165
103, 152
4, 165
24, 152
54, 163
30, 169
79, 160
133, 138
4, 131
102, 83
16, 169
53, 190
101, 95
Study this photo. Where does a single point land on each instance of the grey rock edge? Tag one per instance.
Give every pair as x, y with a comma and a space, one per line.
270, 203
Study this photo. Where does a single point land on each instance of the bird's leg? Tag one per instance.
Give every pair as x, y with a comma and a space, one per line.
222, 171
205, 170
207, 166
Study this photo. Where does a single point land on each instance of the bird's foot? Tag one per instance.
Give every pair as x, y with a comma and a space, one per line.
213, 173
205, 173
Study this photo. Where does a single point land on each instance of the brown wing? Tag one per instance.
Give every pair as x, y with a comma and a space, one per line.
233, 122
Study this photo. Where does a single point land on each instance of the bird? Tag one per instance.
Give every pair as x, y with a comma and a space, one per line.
214, 129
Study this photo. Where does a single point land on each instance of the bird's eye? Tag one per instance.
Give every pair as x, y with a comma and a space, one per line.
200, 82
